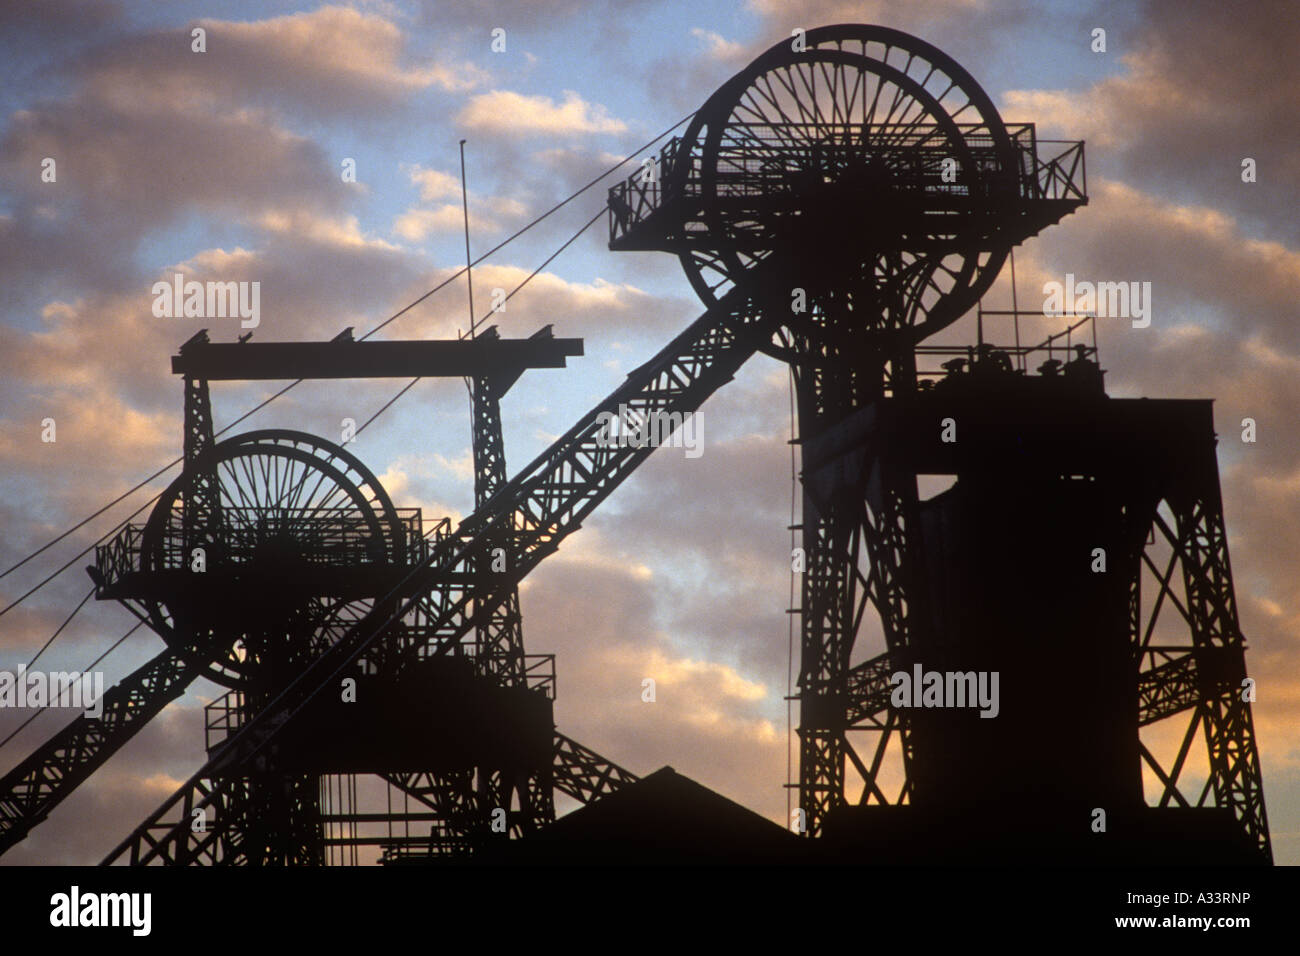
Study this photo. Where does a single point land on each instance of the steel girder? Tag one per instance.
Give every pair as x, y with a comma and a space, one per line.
584, 774
36, 786
500, 638
1201, 542
499, 654
834, 697
826, 638
528, 518
837, 373
1205, 681
500, 643
202, 509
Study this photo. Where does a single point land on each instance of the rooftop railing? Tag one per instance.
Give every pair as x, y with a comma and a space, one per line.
788, 162
333, 537
1066, 354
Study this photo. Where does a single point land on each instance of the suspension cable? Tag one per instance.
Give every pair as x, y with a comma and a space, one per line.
462, 335
126, 494
441, 285
59, 629
116, 644
383, 408
559, 205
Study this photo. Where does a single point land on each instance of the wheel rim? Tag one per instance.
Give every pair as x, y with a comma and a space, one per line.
788, 117
284, 498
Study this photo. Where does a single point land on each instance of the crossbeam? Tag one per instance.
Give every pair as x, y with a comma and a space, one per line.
528, 517
249, 361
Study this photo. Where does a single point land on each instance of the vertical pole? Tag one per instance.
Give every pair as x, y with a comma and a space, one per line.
1015, 309
464, 202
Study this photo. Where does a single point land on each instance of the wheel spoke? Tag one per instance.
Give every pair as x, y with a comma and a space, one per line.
857, 111
296, 488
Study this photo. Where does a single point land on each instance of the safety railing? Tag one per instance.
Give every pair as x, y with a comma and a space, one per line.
222, 718
333, 537
641, 194
119, 556
1065, 353
793, 161
443, 842
539, 674
1064, 176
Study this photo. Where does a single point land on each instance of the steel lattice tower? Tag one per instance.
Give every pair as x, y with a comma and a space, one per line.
857, 191
838, 201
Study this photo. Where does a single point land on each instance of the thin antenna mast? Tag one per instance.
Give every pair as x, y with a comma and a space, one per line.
464, 202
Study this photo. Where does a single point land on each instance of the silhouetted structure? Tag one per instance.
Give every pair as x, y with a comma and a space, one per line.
1006, 575
269, 548
839, 200
842, 202
664, 818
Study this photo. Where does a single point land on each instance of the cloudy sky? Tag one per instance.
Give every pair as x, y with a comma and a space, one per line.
228, 164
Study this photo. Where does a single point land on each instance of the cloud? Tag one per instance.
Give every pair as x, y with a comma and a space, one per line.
343, 233
537, 16
145, 132
57, 20
417, 224
1127, 233
1065, 114
323, 62
434, 183
712, 721
506, 112
674, 673
411, 480
1183, 112
720, 48
125, 173
549, 292
486, 213
812, 13
341, 45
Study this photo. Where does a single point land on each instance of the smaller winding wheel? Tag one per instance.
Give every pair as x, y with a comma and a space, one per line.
259, 551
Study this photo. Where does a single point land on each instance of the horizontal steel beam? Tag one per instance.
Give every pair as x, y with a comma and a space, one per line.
528, 517
1162, 691
247, 361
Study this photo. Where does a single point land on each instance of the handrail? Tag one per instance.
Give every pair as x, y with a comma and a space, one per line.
338, 537
770, 161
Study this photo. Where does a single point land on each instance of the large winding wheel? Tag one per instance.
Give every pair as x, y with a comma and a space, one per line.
852, 191
271, 572
867, 169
